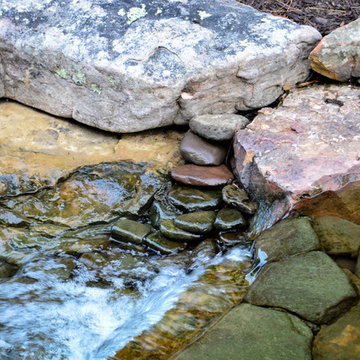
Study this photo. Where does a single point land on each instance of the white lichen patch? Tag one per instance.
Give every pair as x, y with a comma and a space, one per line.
121, 12
158, 11
61, 73
136, 13
203, 14
96, 88
79, 78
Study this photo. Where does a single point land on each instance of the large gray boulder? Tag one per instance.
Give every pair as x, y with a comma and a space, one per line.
132, 65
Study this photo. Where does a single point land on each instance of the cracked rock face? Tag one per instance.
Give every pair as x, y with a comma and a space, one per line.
308, 146
128, 66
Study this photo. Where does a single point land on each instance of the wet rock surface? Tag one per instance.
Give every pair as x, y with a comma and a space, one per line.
256, 333
218, 127
228, 218
276, 159
202, 175
200, 152
170, 230
135, 73
310, 285
238, 198
165, 246
130, 231
200, 222
337, 56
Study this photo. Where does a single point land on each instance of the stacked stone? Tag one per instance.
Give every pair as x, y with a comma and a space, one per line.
205, 202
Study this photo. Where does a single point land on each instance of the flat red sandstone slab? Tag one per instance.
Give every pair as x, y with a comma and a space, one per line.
202, 175
308, 146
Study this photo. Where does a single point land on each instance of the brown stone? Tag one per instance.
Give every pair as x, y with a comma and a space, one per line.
202, 175
198, 151
338, 56
308, 146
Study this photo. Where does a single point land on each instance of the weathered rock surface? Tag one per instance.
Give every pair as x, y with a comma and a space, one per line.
218, 127
236, 197
147, 64
337, 56
288, 237
249, 332
37, 149
340, 340
307, 146
310, 285
202, 175
338, 236
198, 151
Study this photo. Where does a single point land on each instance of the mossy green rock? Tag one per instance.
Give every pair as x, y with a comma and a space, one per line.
340, 340
200, 222
192, 199
229, 218
130, 230
160, 212
310, 285
249, 332
338, 236
288, 237
165, 246
238, 198
169, 230
6, 269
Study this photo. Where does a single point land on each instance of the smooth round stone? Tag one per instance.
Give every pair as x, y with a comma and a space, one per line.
198, 151
129, 230
165, 246
168, 229
192, 199
229, 218
233, 238
202, 175
160, 212
218, 127
198, 222
238, 198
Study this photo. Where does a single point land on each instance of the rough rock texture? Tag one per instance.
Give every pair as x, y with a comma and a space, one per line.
218, 127
310, 285
338, 54
198, 151
307, 146
249, 332
128, 66
338, 236
238, 198
340, 340
288, 237
202, 175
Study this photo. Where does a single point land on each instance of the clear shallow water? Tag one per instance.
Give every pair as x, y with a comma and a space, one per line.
58, 306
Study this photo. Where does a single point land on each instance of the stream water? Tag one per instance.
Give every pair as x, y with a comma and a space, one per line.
58, 306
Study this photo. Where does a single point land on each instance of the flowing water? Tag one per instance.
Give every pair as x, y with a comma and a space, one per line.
60, 306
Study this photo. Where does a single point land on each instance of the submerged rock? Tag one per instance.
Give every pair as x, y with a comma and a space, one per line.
160, 211
337, 56
338, 236
132, 231
200, 222
193, 199
165, 246
198, 151
287, 237
306, 147
168, 229
310, 285
218, 127
202, 175
229, 218
253, 333
238, 198
135, 73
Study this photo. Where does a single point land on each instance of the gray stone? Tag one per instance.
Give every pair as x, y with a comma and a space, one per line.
229, 218
160, 211
310, 285
129, 66
338, 236
130, 230
237, 197
288, 237
165, 246
200, 222
249, 332
200, 152
169, 230
337, 56
218, 127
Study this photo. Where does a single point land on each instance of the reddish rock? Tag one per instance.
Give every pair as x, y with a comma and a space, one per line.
338, 54
308, 146
202, 175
